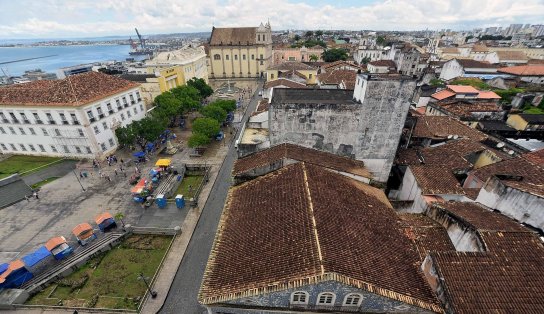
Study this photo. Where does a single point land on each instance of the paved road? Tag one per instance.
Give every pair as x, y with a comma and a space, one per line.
182, 297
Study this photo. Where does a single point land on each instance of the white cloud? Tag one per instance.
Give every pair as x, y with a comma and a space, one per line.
65, 18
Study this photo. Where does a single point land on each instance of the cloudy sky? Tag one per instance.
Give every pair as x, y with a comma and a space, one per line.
88, 18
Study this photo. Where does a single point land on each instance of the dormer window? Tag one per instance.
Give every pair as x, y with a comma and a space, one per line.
326, 298
299, 297
353, 299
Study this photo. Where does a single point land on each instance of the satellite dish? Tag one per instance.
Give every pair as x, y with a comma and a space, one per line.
500, 145
455, 137
510, 152
450, 137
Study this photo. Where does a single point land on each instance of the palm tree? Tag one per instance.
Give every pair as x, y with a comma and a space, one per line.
119, 216
314, 58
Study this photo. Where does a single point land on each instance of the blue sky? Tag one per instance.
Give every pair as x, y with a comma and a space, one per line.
89, 18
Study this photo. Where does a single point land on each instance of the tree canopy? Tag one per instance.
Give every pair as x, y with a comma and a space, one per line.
200, 84
214, 112
207, 126
314, 58
198, 139
227, 105
334, 54
380, 40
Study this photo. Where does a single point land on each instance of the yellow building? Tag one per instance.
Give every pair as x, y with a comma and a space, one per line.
179, 66
240, 52
295, 71
526, 122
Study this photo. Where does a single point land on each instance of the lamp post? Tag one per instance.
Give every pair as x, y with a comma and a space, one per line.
151, 292
77, 178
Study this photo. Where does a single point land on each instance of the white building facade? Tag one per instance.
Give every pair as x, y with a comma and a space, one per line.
86, 131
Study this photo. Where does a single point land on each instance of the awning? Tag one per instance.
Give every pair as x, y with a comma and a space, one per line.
81, 228
165, 162
13, 266
100, 218
54, 242
139, 154
138, 187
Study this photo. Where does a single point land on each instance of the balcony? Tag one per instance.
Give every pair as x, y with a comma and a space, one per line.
39, 122
132, 102
65, 122
110, 111
75, 122
126, 105
139, 99
101, 116
92, 119
5, 120
52, 122
26, 121
14, 121
119, 108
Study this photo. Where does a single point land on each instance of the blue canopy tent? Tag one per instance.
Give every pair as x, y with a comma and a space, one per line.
149, 147
36, 260
3, 268
139, 154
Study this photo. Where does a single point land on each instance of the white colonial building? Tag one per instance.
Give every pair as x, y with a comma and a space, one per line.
73, 117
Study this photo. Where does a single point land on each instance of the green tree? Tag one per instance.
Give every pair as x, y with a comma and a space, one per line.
365, 60
119, 217
227, 105
150, 128
127, 135
380, 40
334, 54
314, 58
166, 106
297, 37
207, 126
319, 33
309, 34
474, 82
189, 97
200, 84
198, 139
214, 112
437, 82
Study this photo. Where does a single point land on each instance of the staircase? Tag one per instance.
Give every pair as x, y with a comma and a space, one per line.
12, 190
80, 254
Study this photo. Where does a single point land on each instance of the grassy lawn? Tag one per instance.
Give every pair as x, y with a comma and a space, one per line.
19, 163
43, 182
534, 110
109, 280
183, 189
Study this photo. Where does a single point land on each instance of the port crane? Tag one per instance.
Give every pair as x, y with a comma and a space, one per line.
142, 41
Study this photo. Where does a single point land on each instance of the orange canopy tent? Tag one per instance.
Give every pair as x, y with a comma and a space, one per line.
138, 188
13, 266
81, 231
100, 218
54, 242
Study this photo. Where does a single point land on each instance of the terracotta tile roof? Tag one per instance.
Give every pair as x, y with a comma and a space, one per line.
263, 105
427, 234
336, 77
469, 63
536, 157
436, 180
506, 278
472, 193
524, 70
535, 188
441, 126
505, 55
464, 109
488, 95
345, 231
233, 36
450, 50
462, 89
518, 166
383, 63
292, 66
54, 242
284, 151
13, 266
81, 229
284, 82
75, 90
443, 94
100, 218
480, 48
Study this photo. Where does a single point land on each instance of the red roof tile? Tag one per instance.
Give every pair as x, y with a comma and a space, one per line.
75, 90
434, 180
524, 70
442, 126
443, 94
284, 82
463, 89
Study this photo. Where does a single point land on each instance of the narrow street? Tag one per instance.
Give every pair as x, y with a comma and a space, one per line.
182, 297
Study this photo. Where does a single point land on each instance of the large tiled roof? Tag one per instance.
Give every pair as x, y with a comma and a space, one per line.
292, 66
519, 166
488, 95
463, 89
536, 157
304, 224
427, 234
299, 153
524, 70
443, 94
233, 36
505, 55
469, 63
442, 126
436, 179
383, 63
312, 96
337, 76
464, 109
506, 278
284, 82
75, 90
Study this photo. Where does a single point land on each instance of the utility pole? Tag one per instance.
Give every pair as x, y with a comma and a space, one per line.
79, 181
151, 292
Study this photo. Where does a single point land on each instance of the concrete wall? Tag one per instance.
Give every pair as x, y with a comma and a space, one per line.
368, 131
521, 206
281, 301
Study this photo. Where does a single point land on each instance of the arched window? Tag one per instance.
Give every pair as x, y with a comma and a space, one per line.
326, 298
299, 297
217, 57
353, 299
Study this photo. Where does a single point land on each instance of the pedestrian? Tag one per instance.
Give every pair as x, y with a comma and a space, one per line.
81, 174
115, 170
125, 174
122, 162
108, 178
36, 195
27, 199
114, 159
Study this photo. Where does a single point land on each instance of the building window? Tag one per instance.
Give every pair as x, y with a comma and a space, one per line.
261, 57
3, 117
128, 114
32, 147
12, 115
135, 110
259, 37
264, 37
112, 143
226, 57
78, 150
292, 59
326, 298
299, 297
90, 115
243, 57
216, 57
12, 130
272, 76
131, 98
2, 130
105, 125
53, 148
138, 95
74, 118
13, 147
22, 131
110, 109
23, 116
261, 62
122, 117
310, 75
96, 129
32, 131
100, 113
50, 118
103, 146
41, 147
88, 149
4, 147
252, 57
63, 118
353, 299
57, 132
66, 150
141, 107
45, 132
235, 57
80, 131
23, 148
118, 103
37, 118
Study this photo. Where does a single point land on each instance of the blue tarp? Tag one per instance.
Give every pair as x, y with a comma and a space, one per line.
139, 154
36, 256
3, 267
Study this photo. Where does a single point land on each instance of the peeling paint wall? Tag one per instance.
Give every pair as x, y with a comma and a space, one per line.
371, 303
463, 237
368, 131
